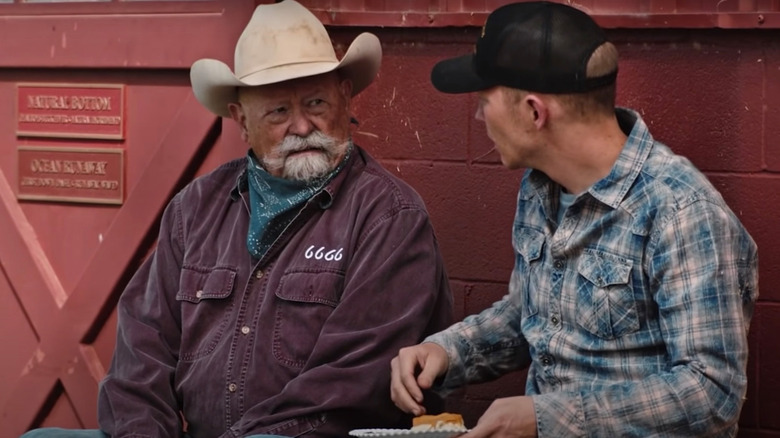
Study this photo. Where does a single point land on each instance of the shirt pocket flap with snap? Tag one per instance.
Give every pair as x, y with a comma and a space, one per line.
603, 269
321, 287
197, 285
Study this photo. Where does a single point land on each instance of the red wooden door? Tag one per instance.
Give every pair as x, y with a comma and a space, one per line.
64, 259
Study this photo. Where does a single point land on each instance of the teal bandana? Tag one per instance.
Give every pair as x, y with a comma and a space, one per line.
274, 202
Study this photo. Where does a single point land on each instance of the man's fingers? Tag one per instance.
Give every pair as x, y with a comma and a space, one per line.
403, 388
410, 363
406, 386
431, 369
433, 361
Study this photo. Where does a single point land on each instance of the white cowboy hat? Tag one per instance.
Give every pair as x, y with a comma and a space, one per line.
282, 41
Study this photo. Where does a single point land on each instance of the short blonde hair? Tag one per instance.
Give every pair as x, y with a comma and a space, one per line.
601, 101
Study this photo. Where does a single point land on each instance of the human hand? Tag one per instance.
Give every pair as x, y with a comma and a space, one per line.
405, 388
506, 417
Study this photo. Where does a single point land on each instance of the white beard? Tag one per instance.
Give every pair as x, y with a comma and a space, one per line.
310, 165
306, 167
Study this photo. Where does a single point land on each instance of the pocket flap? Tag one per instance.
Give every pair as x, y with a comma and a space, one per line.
322, 287
197, 285
604, 269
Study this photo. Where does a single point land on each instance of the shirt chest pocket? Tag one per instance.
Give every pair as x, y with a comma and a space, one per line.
605, 298
205, 298
305, 301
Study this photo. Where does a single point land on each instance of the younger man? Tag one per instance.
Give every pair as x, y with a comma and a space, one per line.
634, 283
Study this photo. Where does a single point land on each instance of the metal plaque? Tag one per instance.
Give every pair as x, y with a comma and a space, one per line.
70, 110
71, 174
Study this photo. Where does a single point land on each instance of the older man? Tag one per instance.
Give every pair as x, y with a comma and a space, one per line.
283, 282
634, 283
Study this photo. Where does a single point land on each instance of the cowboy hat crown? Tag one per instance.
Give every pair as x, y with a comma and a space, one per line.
282, 41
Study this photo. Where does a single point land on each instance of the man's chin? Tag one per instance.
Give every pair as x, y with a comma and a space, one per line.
305, 153
307, 167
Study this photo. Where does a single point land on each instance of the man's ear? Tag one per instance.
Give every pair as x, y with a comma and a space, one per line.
346, 89
237, 114
538, 110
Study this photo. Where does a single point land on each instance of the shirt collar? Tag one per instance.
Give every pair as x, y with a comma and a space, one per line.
611, 189
241, 185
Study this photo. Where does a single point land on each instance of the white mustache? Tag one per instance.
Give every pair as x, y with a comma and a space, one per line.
315, 140
294, 143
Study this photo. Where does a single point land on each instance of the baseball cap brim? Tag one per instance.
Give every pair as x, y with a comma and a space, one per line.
457, 75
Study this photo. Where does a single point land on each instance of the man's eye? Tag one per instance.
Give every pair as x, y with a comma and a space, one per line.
279, 110
316, 102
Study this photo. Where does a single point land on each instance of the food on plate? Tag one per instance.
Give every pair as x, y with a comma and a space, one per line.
444, 421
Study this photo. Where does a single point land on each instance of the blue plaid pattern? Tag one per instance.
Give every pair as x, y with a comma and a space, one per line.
632, 313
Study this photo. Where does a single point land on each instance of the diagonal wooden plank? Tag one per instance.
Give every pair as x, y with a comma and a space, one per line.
80, 380
39, 291
35, 284
173, 157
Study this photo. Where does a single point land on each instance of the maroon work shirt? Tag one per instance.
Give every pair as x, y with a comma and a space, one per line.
296, 344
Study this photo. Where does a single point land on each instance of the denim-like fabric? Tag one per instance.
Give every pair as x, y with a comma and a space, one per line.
632, 312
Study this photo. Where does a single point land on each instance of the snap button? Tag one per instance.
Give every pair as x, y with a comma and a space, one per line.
245, 330
199, 294
259, 274
554, 319
232, 387
558, 264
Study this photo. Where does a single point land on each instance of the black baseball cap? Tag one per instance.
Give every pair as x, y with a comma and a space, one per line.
534, 46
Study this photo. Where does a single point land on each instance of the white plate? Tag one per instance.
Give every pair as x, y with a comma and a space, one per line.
388, 433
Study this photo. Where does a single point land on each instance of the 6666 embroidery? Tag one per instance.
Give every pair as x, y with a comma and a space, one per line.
323, 253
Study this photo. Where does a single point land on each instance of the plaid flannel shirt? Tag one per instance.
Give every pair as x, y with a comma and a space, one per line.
632, 312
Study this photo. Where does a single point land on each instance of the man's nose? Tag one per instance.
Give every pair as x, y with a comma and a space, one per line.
300, 124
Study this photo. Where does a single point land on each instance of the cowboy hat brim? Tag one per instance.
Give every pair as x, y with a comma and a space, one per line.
215, 85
